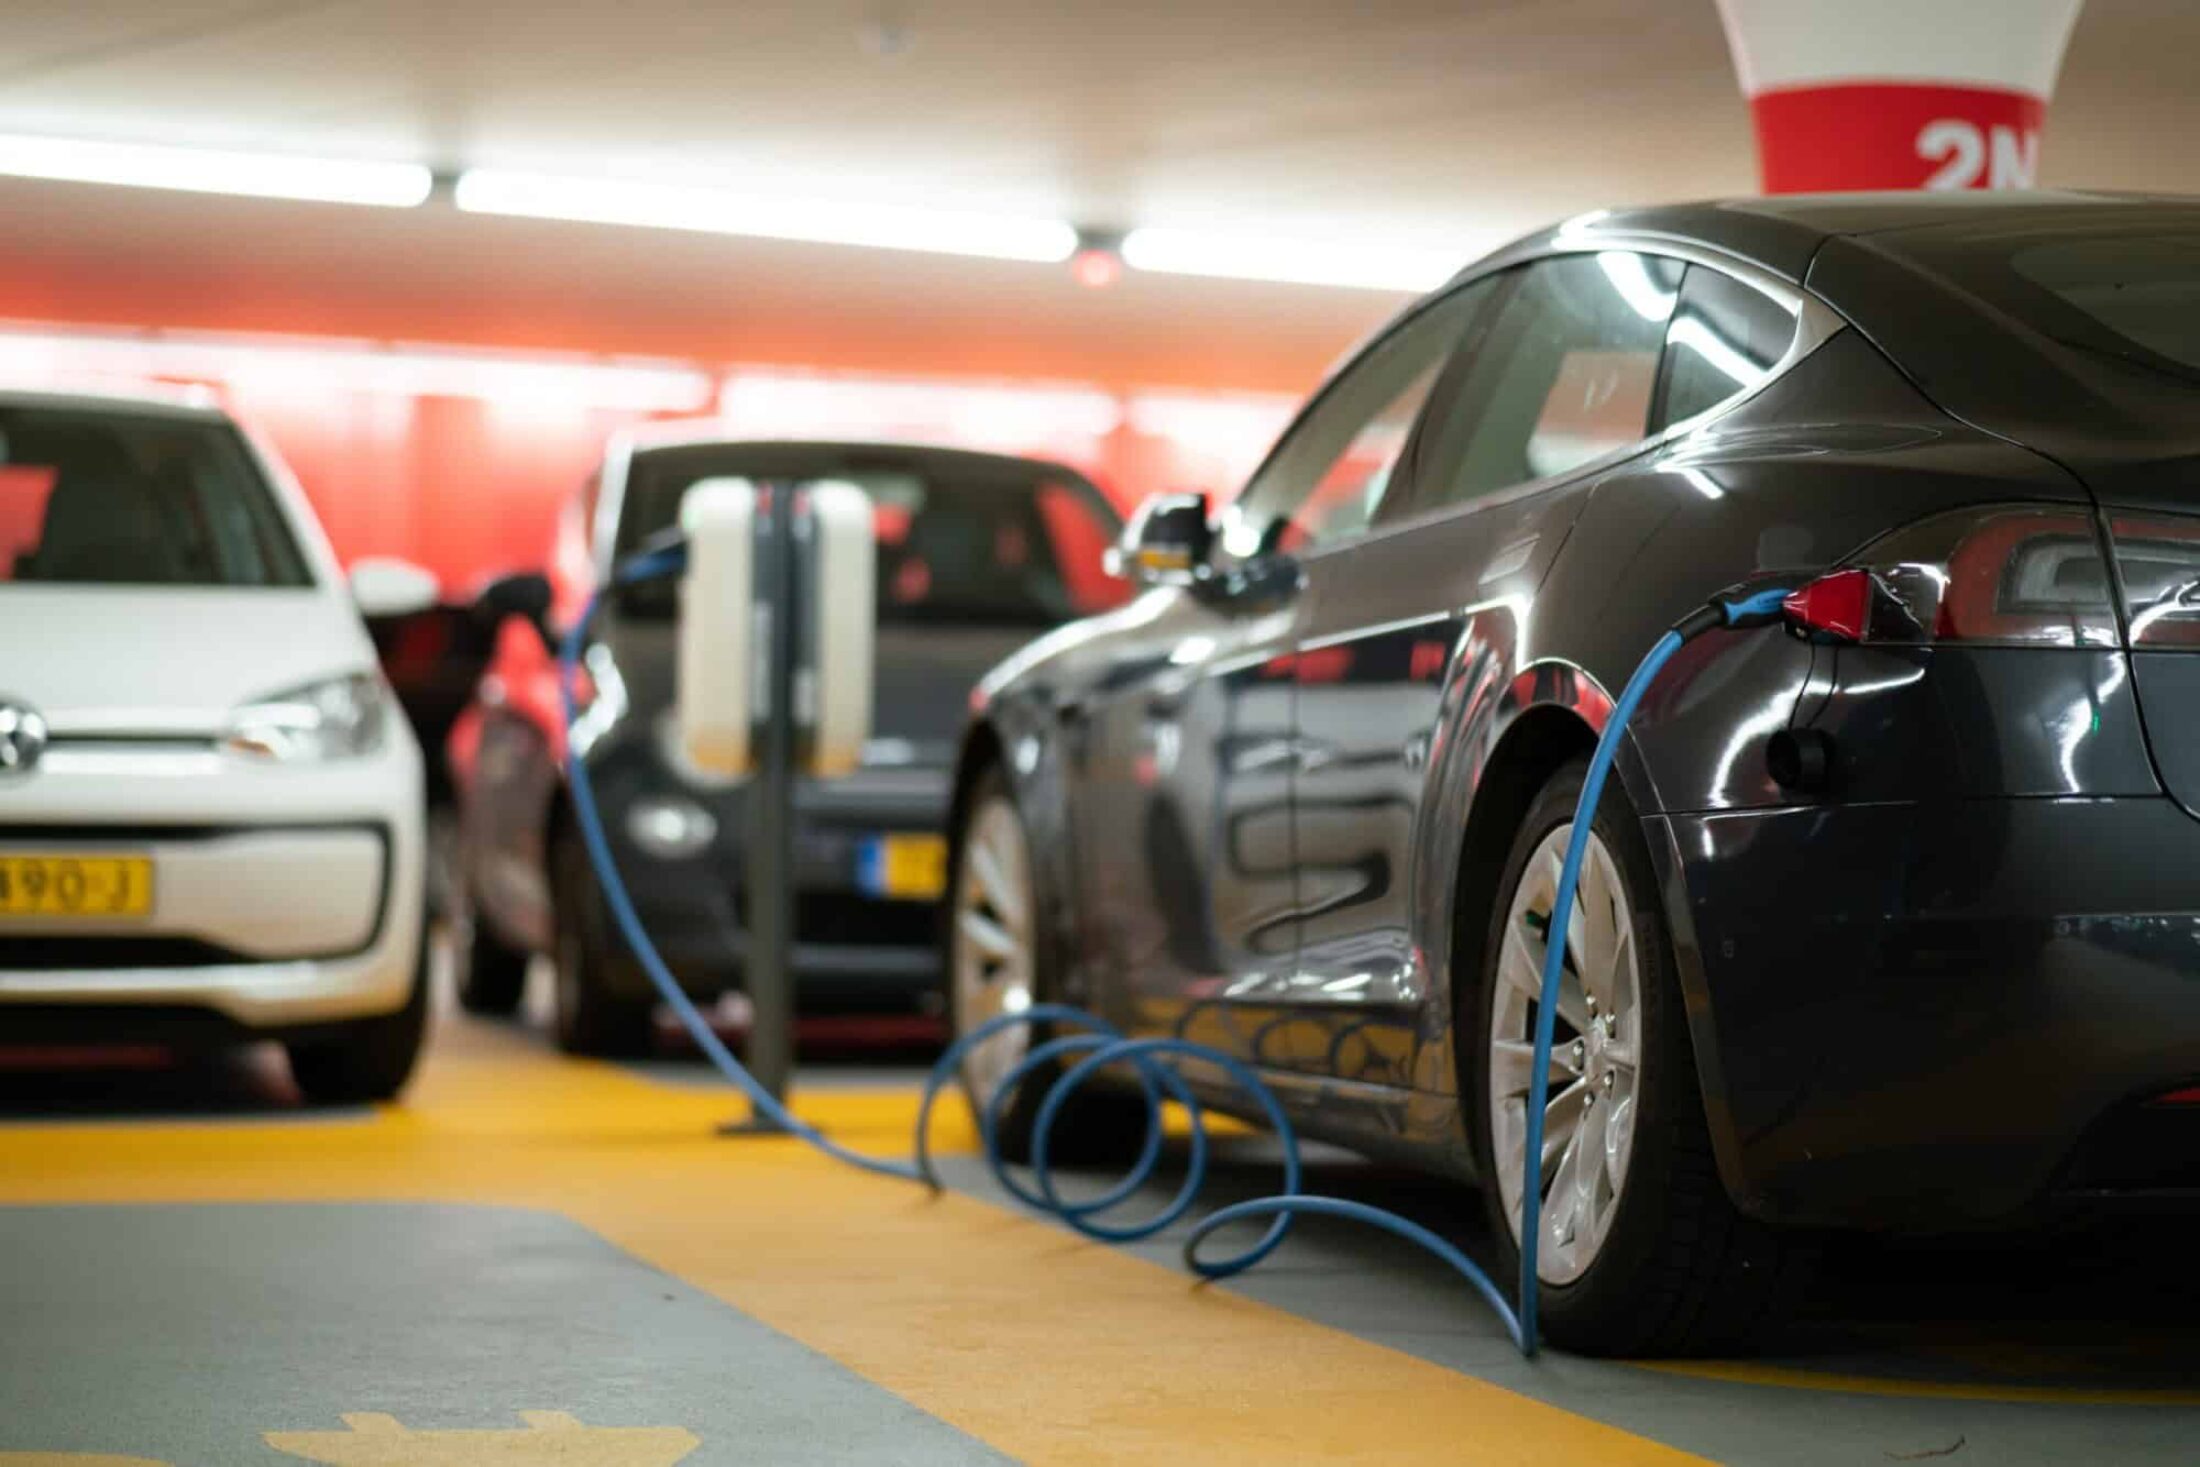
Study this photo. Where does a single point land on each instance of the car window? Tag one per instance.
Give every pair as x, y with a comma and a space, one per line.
1329, 475
2133, 296
990, 545
1725, 337
99, 497
1563, 375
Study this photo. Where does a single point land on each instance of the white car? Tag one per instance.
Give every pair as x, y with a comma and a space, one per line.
211, 816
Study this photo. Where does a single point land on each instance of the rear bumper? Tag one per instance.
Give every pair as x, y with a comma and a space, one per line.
1941, 1016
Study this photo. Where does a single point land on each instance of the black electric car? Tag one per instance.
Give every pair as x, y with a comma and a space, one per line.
977, 553
1888, 922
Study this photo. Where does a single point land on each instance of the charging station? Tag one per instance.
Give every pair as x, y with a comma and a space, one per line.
776, 637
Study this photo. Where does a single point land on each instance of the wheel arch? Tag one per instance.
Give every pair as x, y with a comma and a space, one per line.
1556, 712
1535, 746
1015, 738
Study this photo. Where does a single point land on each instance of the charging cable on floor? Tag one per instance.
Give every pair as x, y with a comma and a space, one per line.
1093, 1044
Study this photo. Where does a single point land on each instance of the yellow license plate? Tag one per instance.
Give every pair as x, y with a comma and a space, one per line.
75, 886
904, 867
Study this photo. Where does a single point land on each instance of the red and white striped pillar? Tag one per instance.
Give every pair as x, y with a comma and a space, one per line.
1898, 94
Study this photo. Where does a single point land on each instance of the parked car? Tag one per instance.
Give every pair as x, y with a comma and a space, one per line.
976, 554
433, 655
210, 807
1895, 927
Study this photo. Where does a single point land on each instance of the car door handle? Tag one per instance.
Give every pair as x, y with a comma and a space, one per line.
1314, 757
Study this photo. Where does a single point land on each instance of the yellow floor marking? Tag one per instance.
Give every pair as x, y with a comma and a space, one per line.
377, 1440
1786, 1377
1047, 1347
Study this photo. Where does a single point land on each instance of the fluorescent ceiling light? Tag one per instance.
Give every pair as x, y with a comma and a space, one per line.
209, 171
722, 211
1292, 262
290, 367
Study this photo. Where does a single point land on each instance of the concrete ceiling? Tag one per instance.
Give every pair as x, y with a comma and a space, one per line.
1448, 122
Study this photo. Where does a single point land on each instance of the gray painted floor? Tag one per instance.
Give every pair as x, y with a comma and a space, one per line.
2102, 1315
182, 1333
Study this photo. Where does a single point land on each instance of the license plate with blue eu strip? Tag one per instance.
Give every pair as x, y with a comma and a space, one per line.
909, 868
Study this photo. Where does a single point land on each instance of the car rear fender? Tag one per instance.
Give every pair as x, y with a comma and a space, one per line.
1017, 734
1506, 738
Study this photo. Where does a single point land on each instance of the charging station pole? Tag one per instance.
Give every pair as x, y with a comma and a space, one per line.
769, 868
777, 625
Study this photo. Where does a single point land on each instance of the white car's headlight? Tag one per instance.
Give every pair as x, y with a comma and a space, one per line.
340, 718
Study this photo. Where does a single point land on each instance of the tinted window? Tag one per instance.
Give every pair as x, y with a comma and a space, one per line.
1328, 476
1563, 375
2140, 296
991, 544
93, 497
1725, 337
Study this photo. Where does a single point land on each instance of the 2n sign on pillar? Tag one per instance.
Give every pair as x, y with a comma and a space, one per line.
1898, 94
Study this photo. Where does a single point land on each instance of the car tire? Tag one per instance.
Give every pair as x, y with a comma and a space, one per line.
1002, 955
366, 1060
494, 978
589, 1018
1678, 1269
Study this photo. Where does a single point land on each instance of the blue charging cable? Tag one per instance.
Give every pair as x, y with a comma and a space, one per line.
1095, 1045
1758, 608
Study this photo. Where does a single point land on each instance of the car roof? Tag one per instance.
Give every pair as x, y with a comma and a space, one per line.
1783, 232
179, 405
839, 452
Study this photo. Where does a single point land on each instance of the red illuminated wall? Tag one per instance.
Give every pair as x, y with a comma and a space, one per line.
1154, 383
1192, 378
468, 488
473, 486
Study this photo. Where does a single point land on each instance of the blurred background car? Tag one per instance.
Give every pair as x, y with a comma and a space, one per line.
433, 657
977, 554
210, 807
433, 654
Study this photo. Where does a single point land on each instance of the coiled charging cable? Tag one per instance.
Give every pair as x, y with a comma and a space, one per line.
1094, 1045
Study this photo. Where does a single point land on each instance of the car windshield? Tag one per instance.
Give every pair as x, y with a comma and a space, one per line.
2132, 296
104, 497
979, 543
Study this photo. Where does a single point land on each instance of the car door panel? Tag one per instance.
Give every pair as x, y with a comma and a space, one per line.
1373, 721
1182, 827
1325, 481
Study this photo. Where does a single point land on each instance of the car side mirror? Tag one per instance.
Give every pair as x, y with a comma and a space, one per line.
384, 586
1166, 542
524, 594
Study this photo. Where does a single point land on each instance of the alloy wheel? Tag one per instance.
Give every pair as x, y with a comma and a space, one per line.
1596, 1059
993, 963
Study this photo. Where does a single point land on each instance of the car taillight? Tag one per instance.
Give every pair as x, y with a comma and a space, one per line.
2013, 575
2158, 557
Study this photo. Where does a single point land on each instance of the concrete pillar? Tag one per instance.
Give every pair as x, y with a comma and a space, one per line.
1898, 94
